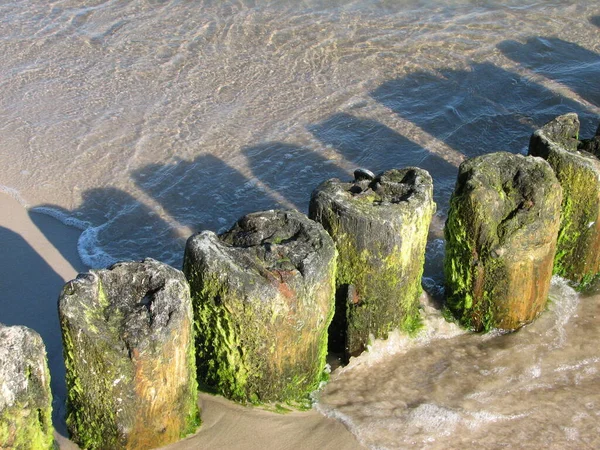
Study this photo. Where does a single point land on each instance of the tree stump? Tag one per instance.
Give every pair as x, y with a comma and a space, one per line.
263, 296
379, 225
501, 236
25, 397
128, 344
578, 171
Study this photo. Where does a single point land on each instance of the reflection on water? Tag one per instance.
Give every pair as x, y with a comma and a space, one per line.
142, 122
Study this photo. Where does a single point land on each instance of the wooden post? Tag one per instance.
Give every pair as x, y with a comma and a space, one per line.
578, 171
379, 225
128, 344
25, 397
263, 296
500, 240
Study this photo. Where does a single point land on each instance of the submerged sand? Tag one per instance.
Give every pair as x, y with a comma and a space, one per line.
40, 255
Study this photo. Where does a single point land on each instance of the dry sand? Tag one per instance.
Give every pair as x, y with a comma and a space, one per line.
40, 255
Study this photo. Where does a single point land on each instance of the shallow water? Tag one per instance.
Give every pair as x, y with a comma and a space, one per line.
142, 122
536, 388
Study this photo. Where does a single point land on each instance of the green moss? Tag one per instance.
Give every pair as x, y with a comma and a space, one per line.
458, 264
468, 258
387, 281
23, 427
220, 361
579, 209
92, 427
412, 324
27, 424
190, 400
234, 346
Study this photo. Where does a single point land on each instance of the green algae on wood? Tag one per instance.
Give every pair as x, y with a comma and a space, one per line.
128, 344
25, 397
577, 168
501, 237
380, 226
263, 296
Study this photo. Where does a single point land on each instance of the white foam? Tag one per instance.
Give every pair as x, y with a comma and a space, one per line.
88, 247
434, 327
480, 418
89, 250
14, 194
564, 301
572, 434
434, 419
578, 366
535, 371
61, 217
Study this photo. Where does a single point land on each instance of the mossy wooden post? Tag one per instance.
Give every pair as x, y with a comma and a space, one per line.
263, 296
25, 397
379, 225
578, 171
128, 345
501, 236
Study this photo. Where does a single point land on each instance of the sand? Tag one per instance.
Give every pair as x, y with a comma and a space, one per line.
40, 255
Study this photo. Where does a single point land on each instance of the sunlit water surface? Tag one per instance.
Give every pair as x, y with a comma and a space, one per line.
142, 122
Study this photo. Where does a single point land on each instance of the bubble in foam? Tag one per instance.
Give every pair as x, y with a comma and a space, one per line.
572, 434
433, 419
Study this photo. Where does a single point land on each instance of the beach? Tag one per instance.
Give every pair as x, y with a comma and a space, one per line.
126, 127
443, 389
43, 256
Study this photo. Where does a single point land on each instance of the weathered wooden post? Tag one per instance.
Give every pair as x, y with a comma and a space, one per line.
128, 344
578, 171
263, 296
379, 225
25, 397
501, 236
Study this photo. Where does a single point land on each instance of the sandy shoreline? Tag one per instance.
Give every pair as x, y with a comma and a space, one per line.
40, 255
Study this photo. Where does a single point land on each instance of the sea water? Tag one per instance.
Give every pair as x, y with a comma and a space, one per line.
536, 388
141, 122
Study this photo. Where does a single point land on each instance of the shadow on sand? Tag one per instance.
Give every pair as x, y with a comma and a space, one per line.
119, 227
26, 281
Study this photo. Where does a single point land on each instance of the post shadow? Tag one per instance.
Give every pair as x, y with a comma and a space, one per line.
205, 193
61, 236
120, 228
477, 111
370, 144
30, 288
562, 61
291, 170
